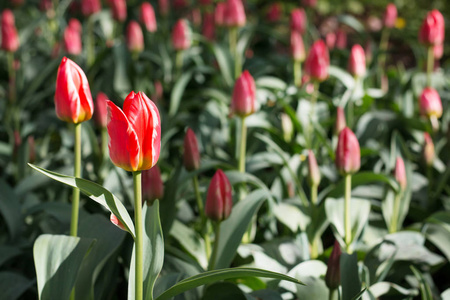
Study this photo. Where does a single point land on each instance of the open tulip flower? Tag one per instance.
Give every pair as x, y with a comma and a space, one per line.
134, 132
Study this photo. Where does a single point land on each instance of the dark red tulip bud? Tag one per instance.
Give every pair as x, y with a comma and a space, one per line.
119, 10
298, 20
219, 201
234, 14
101, 111
274, 13
152, 185
181, 35
191, 156
348, 153
341, 123
333, 275
432, 31
90, 7
341, 39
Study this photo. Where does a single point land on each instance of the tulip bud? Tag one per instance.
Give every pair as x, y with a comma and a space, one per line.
181, 35
219, 201
341, 39
298, 20
158, 90
330, 40
208, 29
90, 7
191, 155
340, 120
430, 103
438, 51
163, 6
317, 62
101, 112
274, 13
119, 10
117, 222
73, 99
195, 17
46, 5
297, 47
432, 31
72, 37
180, 4
333, 274
234, 14
287, 126
313, 169
134, 133
348, 154
17, 141
152, 185
244, 96
428, 150
390, 15
10, 38
32, 149
400, 173
357, 61
219, 13
135, 37
147, 17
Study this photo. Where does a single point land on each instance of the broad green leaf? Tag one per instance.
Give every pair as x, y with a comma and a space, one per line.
224, 61
10, 210
271, 83
222, 274
57, 259
223, 291
178, 91
342, 76
97, 193
191, 241
311, 273
437, 231
153, 252
291, 216
13, 285
351, 285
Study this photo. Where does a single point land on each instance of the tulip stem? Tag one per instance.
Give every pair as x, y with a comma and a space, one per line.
178, 63
104, 136
138, 280
90, 44
430, 64
315, 242
297, 73
243, 145
212, 259
201, 212
12, 77
350, 105
233, 37
384, 41
77, 174
395, 213
314, 189
348, 231
314, 97
331, 294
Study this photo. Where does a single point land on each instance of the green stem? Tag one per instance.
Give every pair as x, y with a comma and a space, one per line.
297, 73
233, 37
314, 97
350, 105
314, 189
331, 294
212, 260
139, 246
90, 44
77, 173
383, 48
395, 213
348, 230
104, 136
315, 242
201, 212
178, 63
315, 248
243, 146
430, 64
12, 77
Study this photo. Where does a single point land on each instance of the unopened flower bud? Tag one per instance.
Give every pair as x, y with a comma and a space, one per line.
297, 47
432, 31
333, 274
313, 169
400, 173
318, 61
390, 15
191, 156
135, 37
341, 123
357, 61
243, 102
152, 185
219, 201
348, 154
428, 150
298, 20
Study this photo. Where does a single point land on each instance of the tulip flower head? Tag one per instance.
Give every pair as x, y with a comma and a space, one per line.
234, 14
181, 35
430, 103
119, 10
117, 222
73, 99
152, 185
400, 173
390, 15
298, 20
90, 7
341, 39
101, 112
243, 102
135, 37
219, 13
147, 17
357, 61
163, 6
330, 40
274, 13
428, 149
341, 123
208, 28
72, 37
297, 47
219, 200
348, 154
134, 133
191, 155
10, 38
317, 62
432, 31
333, 274
313, 169
309, 3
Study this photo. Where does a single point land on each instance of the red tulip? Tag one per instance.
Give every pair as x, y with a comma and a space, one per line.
341, 39
313, 169
90, 7
400, 173
348, 154
298, 20
73, 99
390, 15
180, 4
438, 51
297, 46
219, 201
318, 61
208, 29
428, 150
72, 37
10, 38
181, 35
219, 13
275, 12
101, 112
430, 103
163, 6
191, 155
234, 14
341, 123
135, 37
244, 95
147, 17
330, 40
357, 61
152, 185
119, 9
333, 274
134, 133
432, 31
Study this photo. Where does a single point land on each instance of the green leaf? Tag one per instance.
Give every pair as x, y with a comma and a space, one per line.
351, 285
223, 291
271, 83
222, 274
311, 273
13, 285
153, 252
388, 288
178, 91
57, 259
425, 288
10, 210
437, 231
342, 76
224, 61
191, 241
97, 193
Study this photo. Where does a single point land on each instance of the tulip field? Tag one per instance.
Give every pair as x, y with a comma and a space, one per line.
224, 149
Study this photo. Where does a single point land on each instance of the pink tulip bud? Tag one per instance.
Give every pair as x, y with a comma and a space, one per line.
158, 90
219, 13
10, 38
119, 9
274, 13
147, 17
432, 31
330, 40
341, 39
309, 3
208, 29
234, 14
195, 17
333, 274
297, 46
318, 61
163, 6
135, 37
117, 222
152, 185
219, 201
243, 102
390, 15
90, 7
191, 156
298, 20
400, 173
430, 103
181, 35
313, 169
438, 51
72, 37
348, 154
205, 2
101, 111
428, 150
357, 61
340, 120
